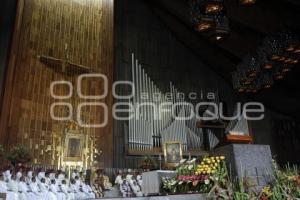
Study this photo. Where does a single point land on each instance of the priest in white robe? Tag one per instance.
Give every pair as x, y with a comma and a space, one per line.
12, 186
23, 189
55, 189
119, 179
34, 193
136, 189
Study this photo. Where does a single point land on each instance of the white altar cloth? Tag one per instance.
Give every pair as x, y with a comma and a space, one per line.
152, 181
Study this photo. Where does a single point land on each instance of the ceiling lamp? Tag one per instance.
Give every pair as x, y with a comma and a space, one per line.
273, 60
247, 2
208, 17
213, 7
204, 23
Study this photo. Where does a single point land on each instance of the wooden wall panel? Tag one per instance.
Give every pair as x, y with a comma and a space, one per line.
78, 31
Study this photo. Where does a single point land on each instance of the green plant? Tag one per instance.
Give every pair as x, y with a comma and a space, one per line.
2, 154
148, 163
19, 155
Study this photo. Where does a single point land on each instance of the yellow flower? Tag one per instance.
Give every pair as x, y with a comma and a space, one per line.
266, 191
222, 157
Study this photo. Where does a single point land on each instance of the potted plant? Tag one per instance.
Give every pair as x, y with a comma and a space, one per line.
19, 155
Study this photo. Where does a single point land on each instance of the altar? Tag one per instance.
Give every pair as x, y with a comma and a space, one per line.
152, 181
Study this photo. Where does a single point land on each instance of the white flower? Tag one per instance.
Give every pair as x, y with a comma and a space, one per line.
182, 161
190, 167
193, 160
206, 182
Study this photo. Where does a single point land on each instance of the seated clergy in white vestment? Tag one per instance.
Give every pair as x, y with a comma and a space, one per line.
23, 189
65, 190
129, 177
125, 189
34, 191
40, 175
12, 188
119, 179
19, 174
74, 174
54, 188
88, 190
44, 190
74, 187
29, 176
7, 175
139, 179
136, 189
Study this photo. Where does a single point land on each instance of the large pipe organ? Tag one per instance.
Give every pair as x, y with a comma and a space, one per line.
166, 116
160, 116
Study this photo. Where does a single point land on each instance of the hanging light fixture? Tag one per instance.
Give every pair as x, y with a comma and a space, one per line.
247, 2
213, 7
208, 17
205, 23
273, 60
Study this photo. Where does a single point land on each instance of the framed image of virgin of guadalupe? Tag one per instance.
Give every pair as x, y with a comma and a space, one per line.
172, 152
73, 147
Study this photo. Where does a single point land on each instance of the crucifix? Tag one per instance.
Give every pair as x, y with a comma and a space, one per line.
63, 65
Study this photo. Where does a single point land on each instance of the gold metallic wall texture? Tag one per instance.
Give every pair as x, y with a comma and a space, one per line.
78, 31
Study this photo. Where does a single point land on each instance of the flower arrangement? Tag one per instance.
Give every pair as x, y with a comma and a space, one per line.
210, 176
285, 184
192, 177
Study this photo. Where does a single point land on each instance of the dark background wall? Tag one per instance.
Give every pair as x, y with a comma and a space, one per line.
7, 18
164, 57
